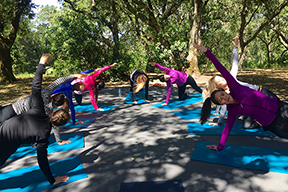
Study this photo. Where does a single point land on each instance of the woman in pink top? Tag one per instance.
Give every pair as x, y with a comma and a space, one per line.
89, 83
179, 78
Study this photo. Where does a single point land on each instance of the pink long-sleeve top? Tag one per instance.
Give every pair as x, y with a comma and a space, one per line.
176, 77
89, 82
250, 102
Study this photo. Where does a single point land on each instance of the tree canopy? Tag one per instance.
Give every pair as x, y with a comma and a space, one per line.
85, 34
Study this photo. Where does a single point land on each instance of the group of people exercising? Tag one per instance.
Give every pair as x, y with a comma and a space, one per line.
30, 120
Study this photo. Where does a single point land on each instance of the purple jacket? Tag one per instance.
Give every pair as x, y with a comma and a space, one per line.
176, 77
251, 102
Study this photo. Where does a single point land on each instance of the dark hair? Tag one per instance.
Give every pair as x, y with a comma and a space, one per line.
59, 117
79, 86
66, 104
99, 84
57, 99
206, 108
161, 78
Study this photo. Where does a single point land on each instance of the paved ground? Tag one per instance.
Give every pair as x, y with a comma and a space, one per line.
159, 142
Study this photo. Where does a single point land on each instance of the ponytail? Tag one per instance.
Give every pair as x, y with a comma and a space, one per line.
66, 104
205, 111
206, 108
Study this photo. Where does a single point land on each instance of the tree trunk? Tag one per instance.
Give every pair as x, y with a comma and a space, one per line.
194, 33
6, 73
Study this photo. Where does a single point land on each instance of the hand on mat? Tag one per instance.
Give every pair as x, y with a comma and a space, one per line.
214, 124
147, 101
64, 142
60, 179
213, 147
164, 104
200, 47
100, 109
134, 102
79, 122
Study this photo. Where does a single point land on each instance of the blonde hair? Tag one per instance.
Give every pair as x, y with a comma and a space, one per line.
209, 88
140, 83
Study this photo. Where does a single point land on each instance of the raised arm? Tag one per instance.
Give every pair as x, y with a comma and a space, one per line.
98, 72
37, 81
165, 69
235, 61
232, 83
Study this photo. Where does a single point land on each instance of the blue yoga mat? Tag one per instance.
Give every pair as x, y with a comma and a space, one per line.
140, 97
77, 142
264, 159
176, 103
90, 109
191, 114
86, 123
206, 129
32, 179
153, 186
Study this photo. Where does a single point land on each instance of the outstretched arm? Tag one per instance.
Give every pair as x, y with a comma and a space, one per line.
232, 83
98, 72
234, 69
165, 69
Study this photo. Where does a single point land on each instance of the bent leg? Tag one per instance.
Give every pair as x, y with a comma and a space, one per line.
190, 81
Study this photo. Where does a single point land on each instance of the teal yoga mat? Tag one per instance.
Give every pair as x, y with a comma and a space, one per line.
90, 109
86, 122
176, 103
206, 129
30, 179
191, 114
77, 142
257, 158
140, 97
153, 186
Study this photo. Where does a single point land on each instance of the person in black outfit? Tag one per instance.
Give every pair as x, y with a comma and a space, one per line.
33, 126
139, 79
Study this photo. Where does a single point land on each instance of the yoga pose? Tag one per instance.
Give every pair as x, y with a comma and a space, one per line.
89, 83
33, 126
179, 78
270, 112
139, 79
218, 82
25, 104
67, 89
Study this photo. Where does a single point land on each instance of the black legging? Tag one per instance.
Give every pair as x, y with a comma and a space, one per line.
181, 89
279, 126
249, 121
6, 112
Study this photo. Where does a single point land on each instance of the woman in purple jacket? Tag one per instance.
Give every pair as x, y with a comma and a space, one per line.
270, 112
179, 78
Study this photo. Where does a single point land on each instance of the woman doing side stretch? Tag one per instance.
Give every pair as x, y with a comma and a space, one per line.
32, 126
270, 112
25, 104
67, 89
218, 82
139, 79
179, 78
89, 83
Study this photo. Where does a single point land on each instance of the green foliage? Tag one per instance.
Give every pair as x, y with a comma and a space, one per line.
98, 36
